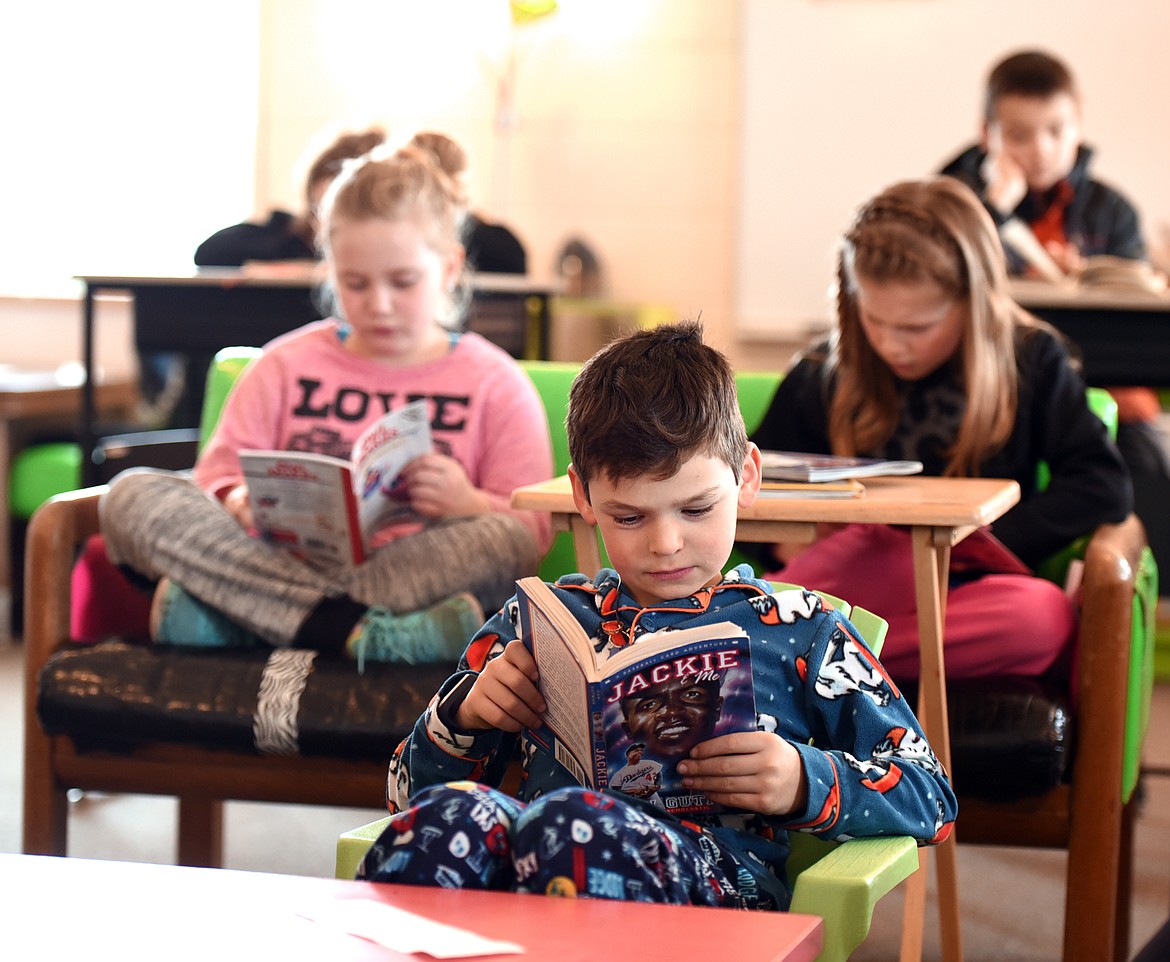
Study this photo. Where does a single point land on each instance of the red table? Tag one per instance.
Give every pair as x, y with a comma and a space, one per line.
62, 908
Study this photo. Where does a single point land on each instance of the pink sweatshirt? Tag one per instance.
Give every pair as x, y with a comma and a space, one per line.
308, 393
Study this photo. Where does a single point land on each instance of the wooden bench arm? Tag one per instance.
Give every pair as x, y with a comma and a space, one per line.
55, 532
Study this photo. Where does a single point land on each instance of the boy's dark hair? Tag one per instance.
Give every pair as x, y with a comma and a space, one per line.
649, 401
1030, 73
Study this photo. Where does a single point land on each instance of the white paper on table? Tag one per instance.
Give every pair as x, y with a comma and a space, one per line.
404, 931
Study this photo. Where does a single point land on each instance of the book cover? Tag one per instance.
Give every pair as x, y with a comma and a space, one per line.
624, 722
796, 466
306, 505
325, 510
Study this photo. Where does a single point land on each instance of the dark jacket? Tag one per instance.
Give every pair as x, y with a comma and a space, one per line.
276, 239
1099, 220
491, 248
1090, 484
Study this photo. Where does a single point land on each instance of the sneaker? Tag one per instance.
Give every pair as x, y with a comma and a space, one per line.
179, 618
436, 634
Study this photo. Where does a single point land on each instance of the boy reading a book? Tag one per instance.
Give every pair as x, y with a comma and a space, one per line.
661, 463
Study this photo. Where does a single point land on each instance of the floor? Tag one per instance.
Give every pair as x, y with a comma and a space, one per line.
1012, 900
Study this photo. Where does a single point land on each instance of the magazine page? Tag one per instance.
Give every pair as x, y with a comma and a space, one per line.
379, 455
653, 712
304, 503
796, 466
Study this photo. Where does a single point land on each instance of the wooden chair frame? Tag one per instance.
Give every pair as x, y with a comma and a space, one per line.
201, 779
1090, 816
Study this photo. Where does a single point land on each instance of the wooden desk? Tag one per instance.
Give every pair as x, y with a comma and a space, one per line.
33, 401
62, 908
199, 312
1124, 338
940, 512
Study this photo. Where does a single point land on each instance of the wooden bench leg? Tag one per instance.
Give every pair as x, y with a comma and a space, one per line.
1125, 882
200, 840
46, 807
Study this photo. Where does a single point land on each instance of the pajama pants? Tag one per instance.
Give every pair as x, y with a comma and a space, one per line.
573, 843
162, 524
997, 624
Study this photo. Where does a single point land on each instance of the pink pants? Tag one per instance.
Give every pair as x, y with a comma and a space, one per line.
997, 624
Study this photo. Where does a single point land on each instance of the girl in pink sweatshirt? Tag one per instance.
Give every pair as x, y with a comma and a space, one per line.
390, 231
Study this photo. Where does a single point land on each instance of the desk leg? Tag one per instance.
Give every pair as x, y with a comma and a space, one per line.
538, 334
88, 401
585, 545
932, 555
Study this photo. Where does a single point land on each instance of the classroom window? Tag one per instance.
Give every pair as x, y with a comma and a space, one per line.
129, 129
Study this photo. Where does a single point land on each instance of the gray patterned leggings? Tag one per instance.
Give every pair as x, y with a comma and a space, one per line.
163, 525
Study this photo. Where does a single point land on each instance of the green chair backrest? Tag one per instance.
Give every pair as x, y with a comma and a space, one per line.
1143, 633
1143, 642
227, 365
872, 628
1102, 404
552, 380
756, 390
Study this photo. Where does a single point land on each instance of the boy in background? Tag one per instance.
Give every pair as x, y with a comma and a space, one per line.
1031, 170
1032, 167
661, 463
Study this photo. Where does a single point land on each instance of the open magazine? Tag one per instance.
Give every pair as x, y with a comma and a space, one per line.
797, 466
624, 722
326, 510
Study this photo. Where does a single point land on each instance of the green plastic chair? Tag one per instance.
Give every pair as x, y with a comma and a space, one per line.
39, 472
42, 471
552, 380
840, 882
1142, 671
227, 365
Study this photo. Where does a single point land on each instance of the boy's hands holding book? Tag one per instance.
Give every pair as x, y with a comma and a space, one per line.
757, 771
504, 696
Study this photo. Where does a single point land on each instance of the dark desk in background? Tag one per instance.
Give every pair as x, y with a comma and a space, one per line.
1124, 338
198, 313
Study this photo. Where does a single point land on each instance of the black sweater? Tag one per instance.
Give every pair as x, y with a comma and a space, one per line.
1090, 484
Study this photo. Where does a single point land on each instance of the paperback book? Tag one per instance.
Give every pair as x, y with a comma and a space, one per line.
623, 722
796, 466
326, 510
849, 488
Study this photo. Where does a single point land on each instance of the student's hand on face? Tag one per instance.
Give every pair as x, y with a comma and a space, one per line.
757, 771
504, 696
236, 504
1067, 256
1005, 182
439, 487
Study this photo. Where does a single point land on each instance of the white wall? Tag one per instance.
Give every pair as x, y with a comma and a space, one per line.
625, 128
128, 130
842, 97
710, 150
